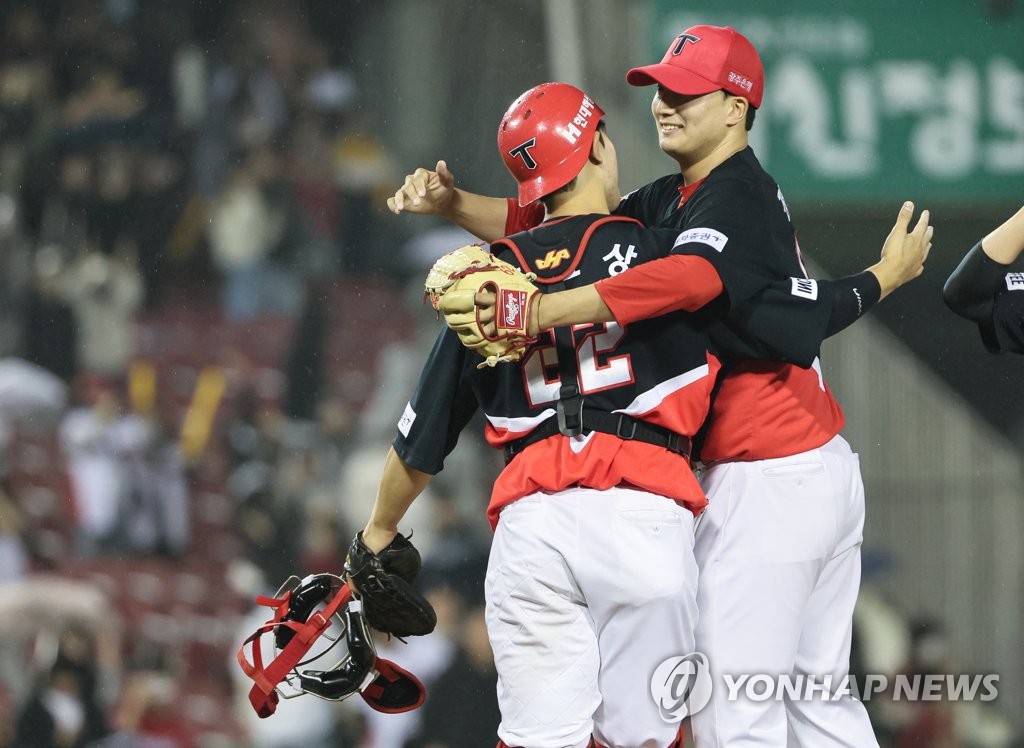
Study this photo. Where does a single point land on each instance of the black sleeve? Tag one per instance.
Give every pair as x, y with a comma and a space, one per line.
789, 320
1003, 332
727, 227
971, 288
440, 407
639, 204
852, 296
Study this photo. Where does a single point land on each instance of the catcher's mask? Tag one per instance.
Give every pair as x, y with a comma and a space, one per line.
303, 611
545, 137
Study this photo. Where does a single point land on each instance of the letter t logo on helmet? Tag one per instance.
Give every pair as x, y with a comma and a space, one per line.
545, 138
523, 151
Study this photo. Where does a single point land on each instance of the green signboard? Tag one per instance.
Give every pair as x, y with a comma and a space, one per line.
872, 100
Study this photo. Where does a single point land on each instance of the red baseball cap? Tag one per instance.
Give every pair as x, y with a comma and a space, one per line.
703, 59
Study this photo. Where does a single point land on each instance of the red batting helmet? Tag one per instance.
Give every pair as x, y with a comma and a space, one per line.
545, 137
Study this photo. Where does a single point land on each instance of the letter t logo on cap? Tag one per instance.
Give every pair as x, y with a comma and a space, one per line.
681, 41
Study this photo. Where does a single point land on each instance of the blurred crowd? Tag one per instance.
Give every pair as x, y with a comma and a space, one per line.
171, 171
186, 192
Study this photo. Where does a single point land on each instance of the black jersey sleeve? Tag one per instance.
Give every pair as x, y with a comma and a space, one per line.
1003, 332
441, 406
779, 325
729, 227
789, 319
971, 288
653, 204
739, 282
629, 205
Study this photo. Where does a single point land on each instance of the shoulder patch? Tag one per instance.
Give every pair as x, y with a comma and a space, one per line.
714, 239
806, 288
784, 206
1015, 281
406, 421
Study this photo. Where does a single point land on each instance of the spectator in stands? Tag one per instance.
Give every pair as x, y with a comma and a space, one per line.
26, 92
162, 203
461, 710
148, 714
336, 422
248, 221
14, 555
16, 260
304, 365
64, 710
459, 556
95, 469
154, 508
105, 292
50, 337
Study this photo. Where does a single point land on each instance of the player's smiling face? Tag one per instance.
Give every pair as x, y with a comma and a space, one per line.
690, 127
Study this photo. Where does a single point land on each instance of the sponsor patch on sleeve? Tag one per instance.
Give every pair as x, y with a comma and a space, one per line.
1015, 281
806, 288
714, 239
406, 421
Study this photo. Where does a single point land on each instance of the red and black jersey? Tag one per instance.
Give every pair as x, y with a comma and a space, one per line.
763, 408
657, 370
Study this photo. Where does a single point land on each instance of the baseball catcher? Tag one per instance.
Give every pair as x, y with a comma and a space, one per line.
452, 285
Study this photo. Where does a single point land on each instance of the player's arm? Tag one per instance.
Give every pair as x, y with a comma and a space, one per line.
1006, 243
679, 282
789, 319
971, 288
689, 282
638, 293
400, 484
434, 192
440, 408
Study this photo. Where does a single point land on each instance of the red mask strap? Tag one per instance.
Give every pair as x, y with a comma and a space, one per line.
263, 695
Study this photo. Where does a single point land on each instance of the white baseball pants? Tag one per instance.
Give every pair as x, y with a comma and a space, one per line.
587, 593
779, 555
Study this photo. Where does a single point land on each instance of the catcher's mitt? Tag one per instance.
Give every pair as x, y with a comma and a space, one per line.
452, 285
383, 582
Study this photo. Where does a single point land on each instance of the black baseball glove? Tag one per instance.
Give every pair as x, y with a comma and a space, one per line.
383, 581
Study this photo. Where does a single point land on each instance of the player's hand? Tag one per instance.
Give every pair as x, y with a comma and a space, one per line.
425, 192
375, 538
904, 252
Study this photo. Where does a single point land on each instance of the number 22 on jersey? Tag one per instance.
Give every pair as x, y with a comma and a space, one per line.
596, 368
